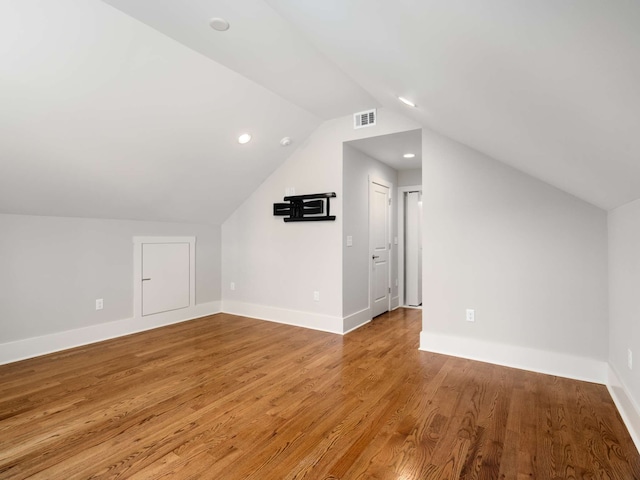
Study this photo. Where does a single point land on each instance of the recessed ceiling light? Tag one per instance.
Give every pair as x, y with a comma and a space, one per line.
219, 24
407, 102
285, 142
244, 138
409, 155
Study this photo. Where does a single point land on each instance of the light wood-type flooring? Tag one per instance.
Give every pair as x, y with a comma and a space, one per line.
227, 397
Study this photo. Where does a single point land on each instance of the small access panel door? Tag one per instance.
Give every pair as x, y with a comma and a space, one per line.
165, 277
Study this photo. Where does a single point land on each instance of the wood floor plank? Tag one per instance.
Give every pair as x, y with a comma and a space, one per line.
228, 397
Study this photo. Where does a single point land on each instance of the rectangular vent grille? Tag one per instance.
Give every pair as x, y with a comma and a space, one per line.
364, 119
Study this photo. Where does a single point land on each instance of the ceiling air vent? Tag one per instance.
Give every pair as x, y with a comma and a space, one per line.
364, 119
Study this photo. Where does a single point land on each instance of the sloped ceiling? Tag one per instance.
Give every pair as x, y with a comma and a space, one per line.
104, 114
260, 45
549, 87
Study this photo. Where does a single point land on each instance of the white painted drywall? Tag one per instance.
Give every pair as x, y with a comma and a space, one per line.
624, 295
358, 168
276, 266
52, 269
529, 258
409, 178
104, 117
548, 87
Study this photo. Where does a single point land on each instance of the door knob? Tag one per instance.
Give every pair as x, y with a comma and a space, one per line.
375, 256
146, 279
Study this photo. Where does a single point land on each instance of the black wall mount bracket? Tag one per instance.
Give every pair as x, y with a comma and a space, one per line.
305, 208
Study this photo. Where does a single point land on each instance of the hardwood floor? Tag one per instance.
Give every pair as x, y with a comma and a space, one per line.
228, 397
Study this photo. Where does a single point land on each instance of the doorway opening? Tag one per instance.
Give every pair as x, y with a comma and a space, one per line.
370, 274
410, 246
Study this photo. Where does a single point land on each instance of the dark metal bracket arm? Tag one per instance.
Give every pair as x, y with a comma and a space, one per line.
305, 208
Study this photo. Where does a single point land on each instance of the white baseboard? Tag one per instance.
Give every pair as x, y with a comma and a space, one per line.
627, 406
356, 320
542, 361
395, 302
55, 342
315, 321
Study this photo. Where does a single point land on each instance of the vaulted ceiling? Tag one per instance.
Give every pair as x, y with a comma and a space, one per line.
131, 108
549, 87
104, 117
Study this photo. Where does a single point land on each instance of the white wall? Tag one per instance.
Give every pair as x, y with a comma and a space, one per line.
409, 178
358, 168
529, 258
624, 310
276, 267
52, 269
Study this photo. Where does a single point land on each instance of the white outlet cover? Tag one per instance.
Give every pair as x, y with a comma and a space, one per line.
316, 296
99, 304
232, 286
471, 315
349, 241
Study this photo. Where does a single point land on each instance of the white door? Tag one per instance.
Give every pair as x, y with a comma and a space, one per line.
379, 247
165, 277
413, 249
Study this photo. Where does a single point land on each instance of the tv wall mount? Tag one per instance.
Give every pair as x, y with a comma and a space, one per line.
306, 208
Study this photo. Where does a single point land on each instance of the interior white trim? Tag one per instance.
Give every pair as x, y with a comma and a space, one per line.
627, 406
356, 320
137, 268
542, 361
55, 342
315, 321
395, 303
400, 200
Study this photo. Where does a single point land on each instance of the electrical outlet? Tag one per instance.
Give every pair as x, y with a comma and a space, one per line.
99, 304
629, 359
232, 286
316, 296
471, 315
349, 241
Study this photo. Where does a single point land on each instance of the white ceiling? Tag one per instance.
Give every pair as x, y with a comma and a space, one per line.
260, 45
103, 116
549, 87
390, 149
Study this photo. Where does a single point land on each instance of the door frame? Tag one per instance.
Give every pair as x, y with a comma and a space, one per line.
137, 269
389, 185
401, 220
